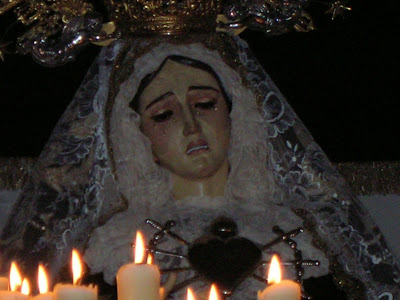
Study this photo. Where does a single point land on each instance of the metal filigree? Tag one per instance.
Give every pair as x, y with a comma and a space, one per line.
222, 233
338, 8
43, 16
59, 29
269, 16
45, 19
164, 17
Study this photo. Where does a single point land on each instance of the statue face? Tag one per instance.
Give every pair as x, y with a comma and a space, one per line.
186, 118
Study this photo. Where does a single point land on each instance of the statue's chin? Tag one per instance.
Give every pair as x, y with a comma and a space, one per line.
200, 166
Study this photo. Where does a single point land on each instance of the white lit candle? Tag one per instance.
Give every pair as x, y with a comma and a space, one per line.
279, 289
3, 284
75, 291
25, 287
190, 294
43, 281
15, 284
213, 293
9, 295
138, 280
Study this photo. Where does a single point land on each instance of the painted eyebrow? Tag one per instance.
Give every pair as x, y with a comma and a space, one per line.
191, 88
203, 87
158, 99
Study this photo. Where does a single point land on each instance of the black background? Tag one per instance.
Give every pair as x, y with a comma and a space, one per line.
341, 79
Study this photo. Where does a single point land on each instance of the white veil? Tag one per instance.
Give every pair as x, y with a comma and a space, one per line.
96, 183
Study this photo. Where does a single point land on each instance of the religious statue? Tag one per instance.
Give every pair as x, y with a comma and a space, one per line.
190, 128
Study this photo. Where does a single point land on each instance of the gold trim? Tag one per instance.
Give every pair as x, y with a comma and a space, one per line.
156, 17
15, 171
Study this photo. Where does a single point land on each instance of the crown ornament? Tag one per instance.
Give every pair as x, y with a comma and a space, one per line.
59, 29
164, 17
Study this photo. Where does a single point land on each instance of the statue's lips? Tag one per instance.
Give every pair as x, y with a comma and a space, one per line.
196, 147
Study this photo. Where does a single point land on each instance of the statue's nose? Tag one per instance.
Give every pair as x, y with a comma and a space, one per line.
191, 125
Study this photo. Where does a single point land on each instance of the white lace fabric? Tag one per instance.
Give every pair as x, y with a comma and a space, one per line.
96, 180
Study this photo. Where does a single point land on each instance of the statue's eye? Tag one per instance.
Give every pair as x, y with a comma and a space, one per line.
205, 105
164, 116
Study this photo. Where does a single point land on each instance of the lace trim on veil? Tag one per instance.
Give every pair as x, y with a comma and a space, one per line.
250, 190
276, 167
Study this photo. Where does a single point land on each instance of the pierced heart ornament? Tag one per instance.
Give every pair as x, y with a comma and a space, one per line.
223, 257
226, 262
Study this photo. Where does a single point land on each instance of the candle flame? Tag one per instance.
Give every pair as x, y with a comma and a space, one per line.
43, 280
190, 294
150, 259
25, 287
139, 248
274, 273
213, 293
77, 270
15, 277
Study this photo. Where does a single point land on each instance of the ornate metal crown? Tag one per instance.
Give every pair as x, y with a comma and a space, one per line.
79, 25
164, 17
